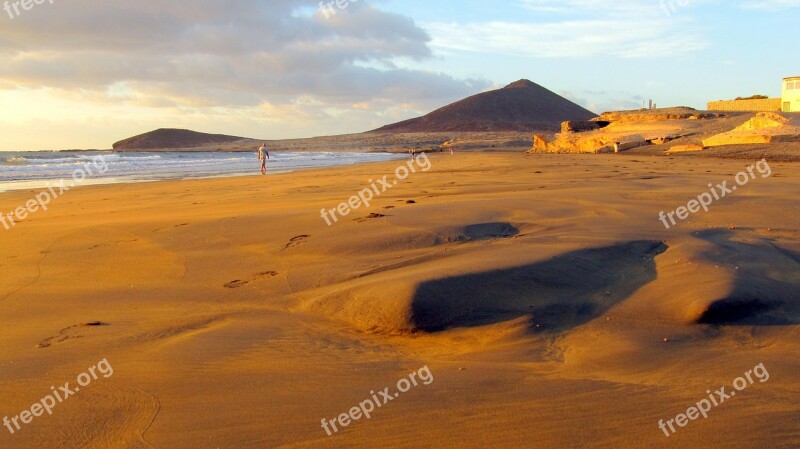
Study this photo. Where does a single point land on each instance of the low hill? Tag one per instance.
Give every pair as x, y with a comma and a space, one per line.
520, 106
173, 139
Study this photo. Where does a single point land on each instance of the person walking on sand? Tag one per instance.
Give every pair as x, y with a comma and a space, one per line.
263, 156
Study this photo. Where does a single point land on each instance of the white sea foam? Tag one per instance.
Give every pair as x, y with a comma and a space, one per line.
35, 169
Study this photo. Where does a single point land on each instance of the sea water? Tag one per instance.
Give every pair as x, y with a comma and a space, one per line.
31, 170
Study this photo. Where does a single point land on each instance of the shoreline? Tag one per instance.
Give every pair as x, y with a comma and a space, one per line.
42, 184
201, 174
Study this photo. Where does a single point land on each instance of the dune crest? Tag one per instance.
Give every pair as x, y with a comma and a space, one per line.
546, 293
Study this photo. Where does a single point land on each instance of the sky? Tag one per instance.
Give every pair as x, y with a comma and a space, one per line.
87, 73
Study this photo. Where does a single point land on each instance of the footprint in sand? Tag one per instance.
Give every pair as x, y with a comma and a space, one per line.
296, 241
175, 226
236, 284
370, 217
116, 242
256, 277
69, 333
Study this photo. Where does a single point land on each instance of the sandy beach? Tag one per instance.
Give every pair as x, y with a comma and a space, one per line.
549, 302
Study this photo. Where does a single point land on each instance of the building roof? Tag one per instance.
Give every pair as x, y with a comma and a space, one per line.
792, 78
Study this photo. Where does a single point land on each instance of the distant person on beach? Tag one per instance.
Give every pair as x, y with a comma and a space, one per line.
452, 151
263, 156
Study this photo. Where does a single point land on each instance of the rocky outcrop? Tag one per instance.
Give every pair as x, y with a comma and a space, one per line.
656, 115
587, 143
539, 143
764, 127
685, 149
579, 126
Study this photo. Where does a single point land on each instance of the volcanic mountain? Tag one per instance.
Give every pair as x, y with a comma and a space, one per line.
173, 139
520, 106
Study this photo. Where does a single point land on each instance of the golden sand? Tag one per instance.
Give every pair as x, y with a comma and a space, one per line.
550, 303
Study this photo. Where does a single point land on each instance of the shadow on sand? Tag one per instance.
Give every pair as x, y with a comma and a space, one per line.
557, 294
766, 289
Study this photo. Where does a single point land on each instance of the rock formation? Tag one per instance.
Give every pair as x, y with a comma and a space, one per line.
764, 127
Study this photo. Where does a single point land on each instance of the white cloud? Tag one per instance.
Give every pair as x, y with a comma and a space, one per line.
574, 7
771, 5
186, 55
224, 53
576, 28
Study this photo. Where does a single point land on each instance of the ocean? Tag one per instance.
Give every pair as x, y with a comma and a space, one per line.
32, 170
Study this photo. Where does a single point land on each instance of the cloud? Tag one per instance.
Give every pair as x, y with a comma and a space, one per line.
573, 7
771, 5
607, 101
223, 54
576, 28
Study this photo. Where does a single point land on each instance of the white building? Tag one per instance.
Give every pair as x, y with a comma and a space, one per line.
791, 94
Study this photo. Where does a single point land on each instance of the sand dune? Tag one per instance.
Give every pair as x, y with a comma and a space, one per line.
550, 303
